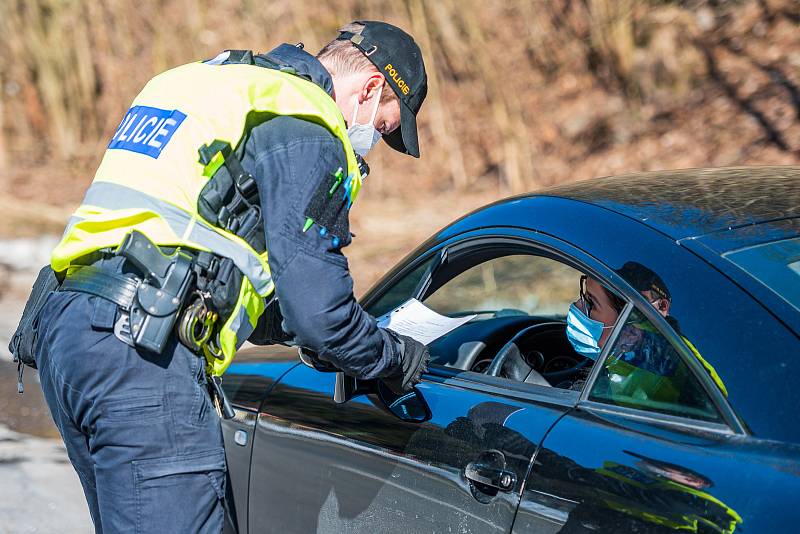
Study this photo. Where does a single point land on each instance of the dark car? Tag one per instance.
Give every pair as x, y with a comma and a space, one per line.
687, 420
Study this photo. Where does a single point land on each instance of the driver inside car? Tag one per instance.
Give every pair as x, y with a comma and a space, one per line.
591, 317
642, 359
590, 320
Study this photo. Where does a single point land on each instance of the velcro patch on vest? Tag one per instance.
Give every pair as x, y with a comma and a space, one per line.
328, 209
146, 130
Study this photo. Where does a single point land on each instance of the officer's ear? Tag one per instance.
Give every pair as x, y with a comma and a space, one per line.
371, 87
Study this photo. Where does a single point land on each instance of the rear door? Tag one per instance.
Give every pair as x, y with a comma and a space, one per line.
651, 449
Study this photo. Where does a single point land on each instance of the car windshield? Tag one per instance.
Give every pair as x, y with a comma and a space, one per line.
776, 265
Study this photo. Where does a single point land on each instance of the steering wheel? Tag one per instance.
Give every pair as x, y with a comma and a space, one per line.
509, 362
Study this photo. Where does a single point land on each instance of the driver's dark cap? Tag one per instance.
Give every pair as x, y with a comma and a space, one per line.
399, 59
642, 278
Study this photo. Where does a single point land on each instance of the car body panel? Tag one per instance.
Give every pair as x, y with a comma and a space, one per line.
625, 475
358, 468
693, 202
247, 383
321, 466
237, 458
729, 239
710, 247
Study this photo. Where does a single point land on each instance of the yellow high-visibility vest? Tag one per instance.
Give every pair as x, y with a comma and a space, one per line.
150, 177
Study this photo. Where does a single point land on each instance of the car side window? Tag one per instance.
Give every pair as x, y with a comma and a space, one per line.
507, 292
644, 371
401, 291
518, 284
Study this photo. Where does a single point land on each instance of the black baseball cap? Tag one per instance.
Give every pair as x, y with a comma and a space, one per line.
399, 59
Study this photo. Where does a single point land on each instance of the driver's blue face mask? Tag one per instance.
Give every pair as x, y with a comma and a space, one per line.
584, 332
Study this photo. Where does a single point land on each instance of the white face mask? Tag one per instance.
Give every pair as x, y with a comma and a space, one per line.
364, 136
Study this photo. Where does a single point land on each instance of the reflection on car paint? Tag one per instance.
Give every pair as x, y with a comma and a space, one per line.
580, 468
381, 468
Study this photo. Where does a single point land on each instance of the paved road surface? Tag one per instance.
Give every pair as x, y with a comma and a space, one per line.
39, 490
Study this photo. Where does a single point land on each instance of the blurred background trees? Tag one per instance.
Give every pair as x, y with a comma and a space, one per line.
523, 94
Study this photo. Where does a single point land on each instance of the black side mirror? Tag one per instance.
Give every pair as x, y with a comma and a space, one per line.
409, 407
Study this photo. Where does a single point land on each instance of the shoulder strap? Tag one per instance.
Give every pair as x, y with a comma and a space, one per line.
228, 57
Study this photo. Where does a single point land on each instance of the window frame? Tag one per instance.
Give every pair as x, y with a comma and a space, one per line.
730, 424
546, 245
509, 247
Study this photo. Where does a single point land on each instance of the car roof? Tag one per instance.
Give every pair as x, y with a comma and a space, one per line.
694, 202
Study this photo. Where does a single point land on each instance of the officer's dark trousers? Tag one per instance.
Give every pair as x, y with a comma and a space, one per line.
139, 428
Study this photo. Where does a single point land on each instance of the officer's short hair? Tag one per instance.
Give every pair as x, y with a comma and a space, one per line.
342, 57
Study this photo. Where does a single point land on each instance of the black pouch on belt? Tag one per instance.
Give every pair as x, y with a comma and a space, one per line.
24, 338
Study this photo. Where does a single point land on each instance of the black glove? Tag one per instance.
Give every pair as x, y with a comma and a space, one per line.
414, 359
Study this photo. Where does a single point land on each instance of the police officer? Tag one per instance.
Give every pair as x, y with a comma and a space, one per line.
223, 193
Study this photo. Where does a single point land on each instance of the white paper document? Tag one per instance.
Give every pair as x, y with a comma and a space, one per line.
414, 319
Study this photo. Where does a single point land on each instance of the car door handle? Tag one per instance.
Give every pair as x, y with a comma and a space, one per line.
501, 479
240, 438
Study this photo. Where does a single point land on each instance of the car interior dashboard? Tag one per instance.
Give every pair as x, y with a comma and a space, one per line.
532, 349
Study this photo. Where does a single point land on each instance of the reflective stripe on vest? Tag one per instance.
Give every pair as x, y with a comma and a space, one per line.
151, 177
192, 229
241, 325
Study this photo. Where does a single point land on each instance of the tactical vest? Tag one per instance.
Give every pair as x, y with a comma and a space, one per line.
151, 177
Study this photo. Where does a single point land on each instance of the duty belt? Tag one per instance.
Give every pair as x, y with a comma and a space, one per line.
151, 305
119, 289
152, 302
196, 321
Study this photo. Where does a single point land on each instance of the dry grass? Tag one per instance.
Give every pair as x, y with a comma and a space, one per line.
30, 218
523, 93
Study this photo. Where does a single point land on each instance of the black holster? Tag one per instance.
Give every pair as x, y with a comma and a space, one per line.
161, 294
152, 301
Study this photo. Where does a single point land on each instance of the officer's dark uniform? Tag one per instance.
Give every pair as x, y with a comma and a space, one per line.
323, 317
139, 427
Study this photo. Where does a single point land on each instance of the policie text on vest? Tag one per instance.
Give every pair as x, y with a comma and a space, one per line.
146, 130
